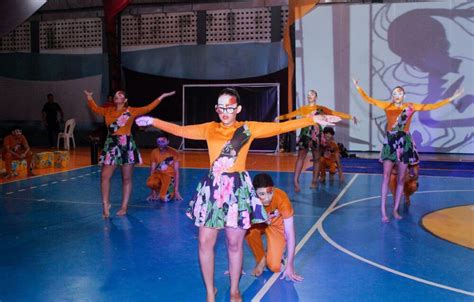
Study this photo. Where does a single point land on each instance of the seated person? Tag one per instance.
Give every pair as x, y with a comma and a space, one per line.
279, 230
411, 181
164, 172
331, 157
15, 147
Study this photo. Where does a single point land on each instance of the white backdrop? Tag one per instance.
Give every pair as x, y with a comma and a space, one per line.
428, 48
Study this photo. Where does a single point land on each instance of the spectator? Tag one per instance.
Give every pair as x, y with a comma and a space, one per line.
15, 147
50, 119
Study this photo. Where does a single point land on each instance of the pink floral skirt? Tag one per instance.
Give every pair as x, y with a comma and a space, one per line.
119, 150
226, 200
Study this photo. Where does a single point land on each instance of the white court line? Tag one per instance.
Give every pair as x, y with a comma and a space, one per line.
385, 268
47, 174
43, 185
80, 202
303, 241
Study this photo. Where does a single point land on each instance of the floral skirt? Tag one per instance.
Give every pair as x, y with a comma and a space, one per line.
307, 141
398, 146
120, 150
228, 200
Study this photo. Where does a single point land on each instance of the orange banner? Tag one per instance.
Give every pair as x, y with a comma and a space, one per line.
296, 10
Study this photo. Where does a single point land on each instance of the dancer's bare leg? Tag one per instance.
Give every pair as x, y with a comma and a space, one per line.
207, 240
299, 167
387, 170
235, 251
316, 155
127, 173
401, 173
106, 174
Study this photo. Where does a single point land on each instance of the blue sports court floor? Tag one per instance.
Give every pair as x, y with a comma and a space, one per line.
55, 246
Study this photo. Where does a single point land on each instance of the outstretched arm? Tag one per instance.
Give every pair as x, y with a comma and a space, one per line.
92, 104
427, 107
342, 115
152, 105
289, 271
263, 130
192, 131
289, 115
368, 99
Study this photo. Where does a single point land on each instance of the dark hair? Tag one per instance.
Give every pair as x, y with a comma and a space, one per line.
262, 180
399, 87
315, 92
329, 130
122, 92
232, 92
49, 94
163, 134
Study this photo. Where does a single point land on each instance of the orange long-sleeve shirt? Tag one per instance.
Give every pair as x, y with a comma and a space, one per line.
15, 143
307, 109
392, 111
111, 114
280, 202
216, 135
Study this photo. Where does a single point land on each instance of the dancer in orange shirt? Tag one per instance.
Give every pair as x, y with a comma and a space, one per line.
310, 137
280, 230
119, 147
15, 147
330, 158
398, 147
164, 171
225, 198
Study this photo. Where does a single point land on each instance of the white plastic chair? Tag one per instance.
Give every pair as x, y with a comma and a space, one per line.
67, 134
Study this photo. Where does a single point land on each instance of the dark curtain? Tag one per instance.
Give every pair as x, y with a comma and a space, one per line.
258, 104
143, 88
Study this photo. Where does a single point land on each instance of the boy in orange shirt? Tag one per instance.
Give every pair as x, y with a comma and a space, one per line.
164, 172
15, 147
279, 230
331, 157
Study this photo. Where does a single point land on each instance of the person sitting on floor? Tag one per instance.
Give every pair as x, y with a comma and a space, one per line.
15, 147
280, 230
331, 157
164, 172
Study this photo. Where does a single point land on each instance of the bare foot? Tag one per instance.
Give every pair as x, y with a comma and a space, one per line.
122, 212
235, 297
211, 297
297, 187
385, 219
106, 210
396, 215
314, 184
258, 270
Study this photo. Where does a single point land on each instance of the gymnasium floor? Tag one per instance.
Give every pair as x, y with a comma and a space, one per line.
56, 246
